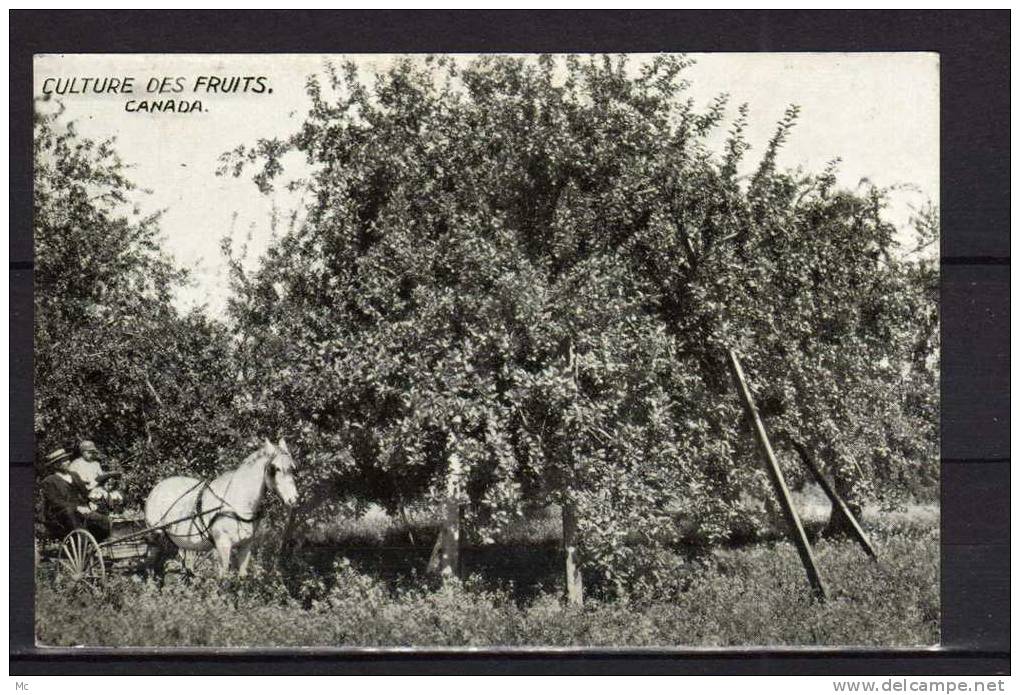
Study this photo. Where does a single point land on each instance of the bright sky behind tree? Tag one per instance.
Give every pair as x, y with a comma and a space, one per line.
878, 112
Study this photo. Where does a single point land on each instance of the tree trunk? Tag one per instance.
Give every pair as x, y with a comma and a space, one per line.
407, 523
445, 560
575, 583
289, 540
449, 561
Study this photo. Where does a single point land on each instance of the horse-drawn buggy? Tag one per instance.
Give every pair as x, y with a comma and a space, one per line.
183, 517
81, 562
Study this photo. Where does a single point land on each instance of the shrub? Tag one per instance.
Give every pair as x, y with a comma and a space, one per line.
753, 595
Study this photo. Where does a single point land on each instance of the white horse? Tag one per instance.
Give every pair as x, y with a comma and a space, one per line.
224, 513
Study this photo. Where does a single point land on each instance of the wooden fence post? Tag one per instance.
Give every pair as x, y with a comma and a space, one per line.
575, 582
836, 500
776, 475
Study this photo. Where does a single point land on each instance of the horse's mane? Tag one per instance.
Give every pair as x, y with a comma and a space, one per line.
264, 454
256, 457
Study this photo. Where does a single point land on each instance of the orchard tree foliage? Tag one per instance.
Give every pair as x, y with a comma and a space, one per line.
533, 268
114, 360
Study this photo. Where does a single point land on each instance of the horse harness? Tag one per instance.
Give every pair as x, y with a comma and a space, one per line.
204, 527
198, 515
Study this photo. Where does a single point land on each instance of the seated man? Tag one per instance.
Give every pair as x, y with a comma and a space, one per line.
65, 501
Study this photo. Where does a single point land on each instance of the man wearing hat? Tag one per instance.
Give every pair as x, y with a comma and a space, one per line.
89, 468
66, 501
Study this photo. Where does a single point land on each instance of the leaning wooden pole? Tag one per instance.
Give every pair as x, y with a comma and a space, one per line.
836, 499
776, 475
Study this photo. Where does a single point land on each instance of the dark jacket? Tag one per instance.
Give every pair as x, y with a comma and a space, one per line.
61, 500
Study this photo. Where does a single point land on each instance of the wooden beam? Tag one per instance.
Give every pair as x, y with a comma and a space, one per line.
778, 481
836, 499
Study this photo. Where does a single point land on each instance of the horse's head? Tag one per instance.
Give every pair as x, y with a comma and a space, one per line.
280, 472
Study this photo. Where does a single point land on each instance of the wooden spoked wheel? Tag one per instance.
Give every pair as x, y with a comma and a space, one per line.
81, 562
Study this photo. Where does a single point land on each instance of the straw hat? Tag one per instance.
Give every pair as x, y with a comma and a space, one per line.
57, 456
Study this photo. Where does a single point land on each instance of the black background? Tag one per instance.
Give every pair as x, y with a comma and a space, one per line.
974, 48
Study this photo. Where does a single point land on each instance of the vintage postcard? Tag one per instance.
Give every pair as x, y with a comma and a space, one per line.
499, 351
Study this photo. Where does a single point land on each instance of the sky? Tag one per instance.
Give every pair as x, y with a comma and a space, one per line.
878, 112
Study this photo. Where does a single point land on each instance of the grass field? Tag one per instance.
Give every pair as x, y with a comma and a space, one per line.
368, 591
